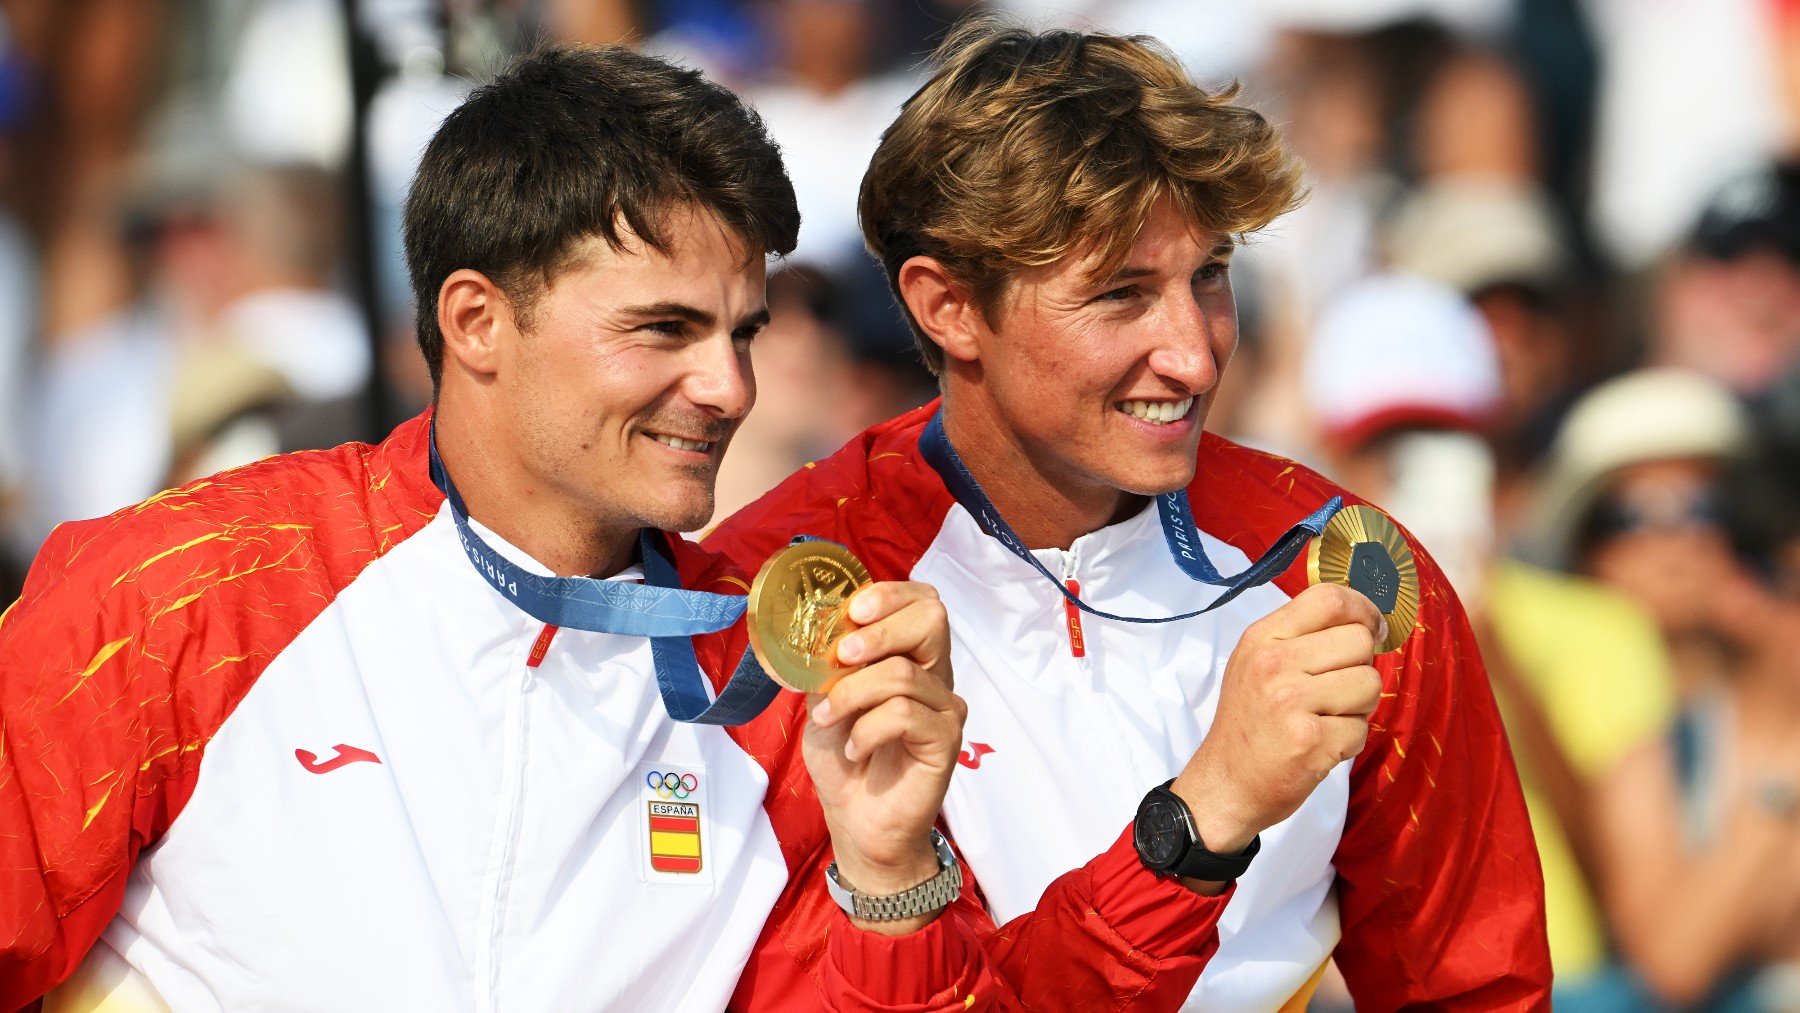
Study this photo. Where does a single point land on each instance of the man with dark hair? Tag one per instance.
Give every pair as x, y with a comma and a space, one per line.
1056, 213
398, 727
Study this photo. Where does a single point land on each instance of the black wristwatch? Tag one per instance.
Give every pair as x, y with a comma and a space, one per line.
1168, 844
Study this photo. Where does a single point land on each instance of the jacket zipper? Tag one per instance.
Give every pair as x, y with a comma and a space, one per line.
504, 851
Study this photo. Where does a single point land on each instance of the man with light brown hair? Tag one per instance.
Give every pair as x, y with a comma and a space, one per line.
1056, 213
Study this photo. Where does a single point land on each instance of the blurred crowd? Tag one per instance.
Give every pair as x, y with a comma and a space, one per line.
1543, 305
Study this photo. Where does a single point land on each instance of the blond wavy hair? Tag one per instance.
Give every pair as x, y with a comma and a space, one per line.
1027, 147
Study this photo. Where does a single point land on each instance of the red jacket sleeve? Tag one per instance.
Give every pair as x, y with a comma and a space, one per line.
1109, 935
79, 796
1439, 890
136, 636
938, 969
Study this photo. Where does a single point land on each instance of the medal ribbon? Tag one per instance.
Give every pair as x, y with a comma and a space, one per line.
659, 609
1179, 530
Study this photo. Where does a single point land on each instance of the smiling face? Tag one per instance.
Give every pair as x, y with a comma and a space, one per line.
1104, 384
622, 386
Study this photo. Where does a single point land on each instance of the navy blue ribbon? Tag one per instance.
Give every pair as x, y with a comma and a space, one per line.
659, 609
1179, 530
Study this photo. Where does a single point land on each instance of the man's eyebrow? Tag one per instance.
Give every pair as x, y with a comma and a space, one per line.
692, 314
1128, 273
758, 319
1222, 251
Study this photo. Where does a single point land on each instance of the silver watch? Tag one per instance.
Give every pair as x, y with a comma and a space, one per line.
928, 897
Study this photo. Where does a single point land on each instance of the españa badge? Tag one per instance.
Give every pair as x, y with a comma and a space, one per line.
799, 610
1361, 548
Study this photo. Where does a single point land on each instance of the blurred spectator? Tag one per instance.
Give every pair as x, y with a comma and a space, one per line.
1499, 244
131, 405
1701, 828
1372, 111
93, 68
1631, 498
832, 362
287, 99
18, 319
284, 228
100, 437
827, 114
224, 407
1665, 138
802, 370
1728, 302
1407, 381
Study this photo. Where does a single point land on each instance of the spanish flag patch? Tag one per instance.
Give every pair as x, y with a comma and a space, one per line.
675, 836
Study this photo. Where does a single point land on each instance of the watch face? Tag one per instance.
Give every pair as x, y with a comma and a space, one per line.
1158, 834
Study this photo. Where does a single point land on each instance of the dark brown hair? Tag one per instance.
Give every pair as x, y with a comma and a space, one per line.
1027, 147
571, 143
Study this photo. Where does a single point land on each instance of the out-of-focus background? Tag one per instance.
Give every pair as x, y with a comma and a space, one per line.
1543, 305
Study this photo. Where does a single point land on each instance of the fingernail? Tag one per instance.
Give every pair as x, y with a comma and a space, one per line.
821, 713
850, 750
850, 649
1381, 632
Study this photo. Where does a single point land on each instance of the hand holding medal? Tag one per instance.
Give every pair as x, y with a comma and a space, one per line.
884, 725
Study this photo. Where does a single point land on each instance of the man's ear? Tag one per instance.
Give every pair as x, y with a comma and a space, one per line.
473, 315
943, 307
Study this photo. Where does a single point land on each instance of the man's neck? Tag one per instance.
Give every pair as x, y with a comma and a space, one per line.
529, 514
1046, 510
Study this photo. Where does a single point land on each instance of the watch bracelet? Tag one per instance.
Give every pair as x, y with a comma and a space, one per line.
935, 894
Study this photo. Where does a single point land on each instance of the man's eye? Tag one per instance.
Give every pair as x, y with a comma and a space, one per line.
1117, 294
1215, 270
673, 328
747, 335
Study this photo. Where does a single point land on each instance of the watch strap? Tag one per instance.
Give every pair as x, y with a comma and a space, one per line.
929, 897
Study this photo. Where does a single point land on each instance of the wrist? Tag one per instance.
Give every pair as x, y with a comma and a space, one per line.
1221, 831
898, 896
880, 878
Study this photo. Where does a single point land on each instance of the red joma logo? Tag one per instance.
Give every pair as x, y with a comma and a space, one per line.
971, 757
345, 754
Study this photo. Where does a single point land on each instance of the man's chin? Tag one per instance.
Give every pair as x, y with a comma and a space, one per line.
684, 517
1154, 481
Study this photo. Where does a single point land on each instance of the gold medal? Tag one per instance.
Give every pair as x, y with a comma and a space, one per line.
799, 610
1361, 548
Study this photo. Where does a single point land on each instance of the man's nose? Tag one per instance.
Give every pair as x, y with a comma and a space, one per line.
1186, 351
719, 378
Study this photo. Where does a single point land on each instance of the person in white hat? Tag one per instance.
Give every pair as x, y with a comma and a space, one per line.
1630, 497
1699, 828
1407, 384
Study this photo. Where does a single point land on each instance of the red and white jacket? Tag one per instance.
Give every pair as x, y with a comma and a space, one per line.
1413, 864
268, 741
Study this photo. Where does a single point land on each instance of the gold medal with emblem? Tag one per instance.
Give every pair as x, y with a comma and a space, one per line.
1363, 549
799, 610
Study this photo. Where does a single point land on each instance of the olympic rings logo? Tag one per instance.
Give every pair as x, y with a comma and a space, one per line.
672, 785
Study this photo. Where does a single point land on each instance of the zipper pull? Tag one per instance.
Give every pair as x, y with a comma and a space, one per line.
542, 647
1077, 645
538, 649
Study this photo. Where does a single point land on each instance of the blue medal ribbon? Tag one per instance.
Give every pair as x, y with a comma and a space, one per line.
1179, 530
659, 609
